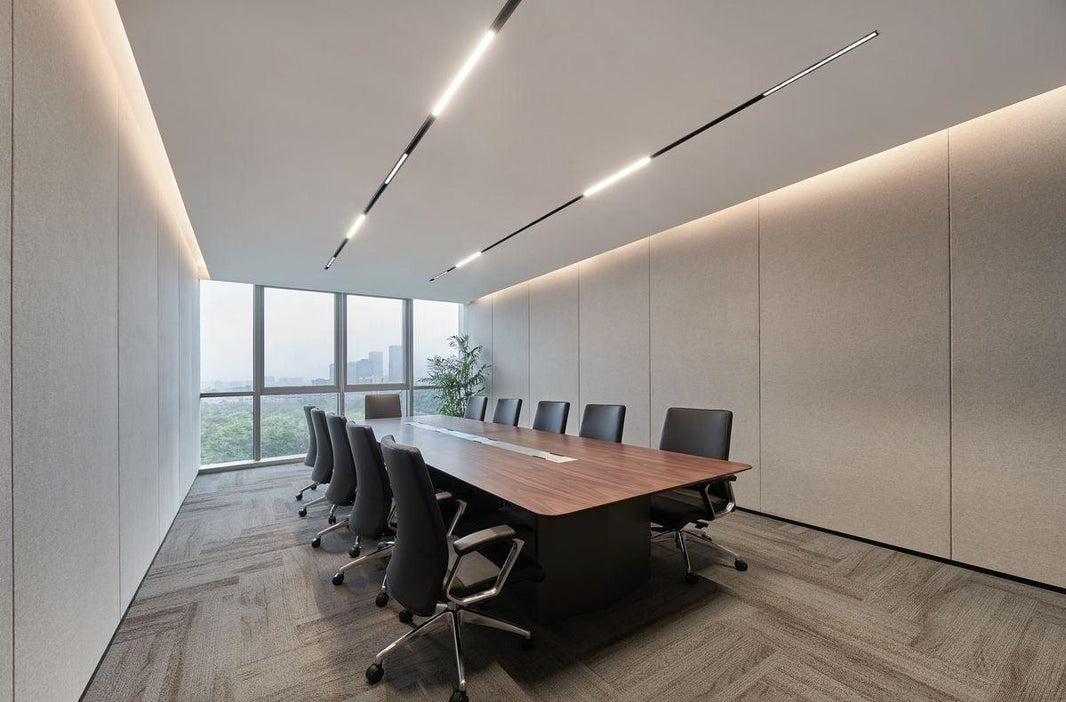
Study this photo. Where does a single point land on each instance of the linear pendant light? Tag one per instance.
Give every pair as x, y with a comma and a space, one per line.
497, 24
640, 163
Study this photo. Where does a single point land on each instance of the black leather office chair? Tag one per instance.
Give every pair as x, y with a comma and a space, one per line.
507, 411
698, 432
341, 489
312, 449
382, 406
475, 407
551, 416
323, 470
603, 422
435, 577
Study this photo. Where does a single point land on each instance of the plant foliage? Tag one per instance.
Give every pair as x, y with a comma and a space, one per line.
456, 378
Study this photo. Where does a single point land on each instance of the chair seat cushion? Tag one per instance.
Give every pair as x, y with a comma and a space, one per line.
674, 509
479, 569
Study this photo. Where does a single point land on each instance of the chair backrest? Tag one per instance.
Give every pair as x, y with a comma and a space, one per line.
698, 432
551, 416
507, 411
604, 422
312, 445
382, 406
341, 490
419, 560
373, 499
475, 407
323, 470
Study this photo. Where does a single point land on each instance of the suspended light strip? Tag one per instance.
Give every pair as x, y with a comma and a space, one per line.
388, 178
463, 73
468, 259
637, 165
497, 24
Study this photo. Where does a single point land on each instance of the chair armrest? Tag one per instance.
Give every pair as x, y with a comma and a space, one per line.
480, 539
460, 508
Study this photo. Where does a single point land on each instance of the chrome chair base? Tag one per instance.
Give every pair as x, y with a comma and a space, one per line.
300, 495
723, 553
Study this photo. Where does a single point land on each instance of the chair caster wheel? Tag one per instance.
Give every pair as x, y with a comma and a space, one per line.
458, 696
740, 565
331, 519
299, 496
691, 578
338, 578
406, 617
527, 644
316, 542
354, 551
382, 599
314, 487
374, 673
302, 512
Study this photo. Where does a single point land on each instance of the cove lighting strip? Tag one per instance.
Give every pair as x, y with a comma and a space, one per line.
438, 108
640, 163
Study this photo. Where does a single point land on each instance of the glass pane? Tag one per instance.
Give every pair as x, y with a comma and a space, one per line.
297, 338
283, 428
225, 429
225, 336
426, 402
375, 340
434, 322
354, 403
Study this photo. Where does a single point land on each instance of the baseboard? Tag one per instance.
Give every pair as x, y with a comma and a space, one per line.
901, 549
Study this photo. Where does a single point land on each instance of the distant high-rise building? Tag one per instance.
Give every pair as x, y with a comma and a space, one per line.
363, 371
395, 364
376, 366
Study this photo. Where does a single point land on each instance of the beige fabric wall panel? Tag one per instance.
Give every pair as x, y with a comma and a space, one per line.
854, 348
6, 642
1008, 317
614, 357
65, 349
553, 342
168, 370
510, 349
138, 389
478, 325
705, 328
188, 359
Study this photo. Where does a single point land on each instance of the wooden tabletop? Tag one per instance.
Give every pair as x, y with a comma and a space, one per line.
602, 473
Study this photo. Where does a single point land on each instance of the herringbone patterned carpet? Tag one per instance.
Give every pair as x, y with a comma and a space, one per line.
237, 606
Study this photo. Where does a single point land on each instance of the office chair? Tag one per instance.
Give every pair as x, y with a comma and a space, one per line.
382, 406
507, 411
323, 470
603, 422
312, 449
372, 515
419, 575
697, 432
475, 407
341, 489
551, 416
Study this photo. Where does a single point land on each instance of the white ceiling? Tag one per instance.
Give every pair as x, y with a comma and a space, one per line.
281, 118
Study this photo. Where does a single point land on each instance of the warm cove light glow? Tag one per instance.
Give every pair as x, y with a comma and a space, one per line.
611, 179
463, 73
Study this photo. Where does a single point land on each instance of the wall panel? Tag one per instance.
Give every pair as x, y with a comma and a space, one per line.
168, 370
705, 328
65, 349
554, 302
614, 357
188, 374
138, 368
1008, 323
5, 353
478, 325
510, 344
854, 360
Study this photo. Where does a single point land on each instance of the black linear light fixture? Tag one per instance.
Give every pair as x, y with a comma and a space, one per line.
640, 163
445, 98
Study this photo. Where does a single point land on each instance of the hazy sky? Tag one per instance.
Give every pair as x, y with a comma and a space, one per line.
297, 331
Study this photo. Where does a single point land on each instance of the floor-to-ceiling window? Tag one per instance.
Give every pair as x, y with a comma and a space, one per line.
266, 352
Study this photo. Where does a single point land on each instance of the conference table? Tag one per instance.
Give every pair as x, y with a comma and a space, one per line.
588, 499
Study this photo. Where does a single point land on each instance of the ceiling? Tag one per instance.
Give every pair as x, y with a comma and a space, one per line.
281, 118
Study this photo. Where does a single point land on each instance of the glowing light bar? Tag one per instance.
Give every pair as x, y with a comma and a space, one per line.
331, 260
468, 259
610, 180
388, 178
827, 59
355, 226
463, 72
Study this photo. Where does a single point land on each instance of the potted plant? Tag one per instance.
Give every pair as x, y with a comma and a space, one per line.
456, 378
